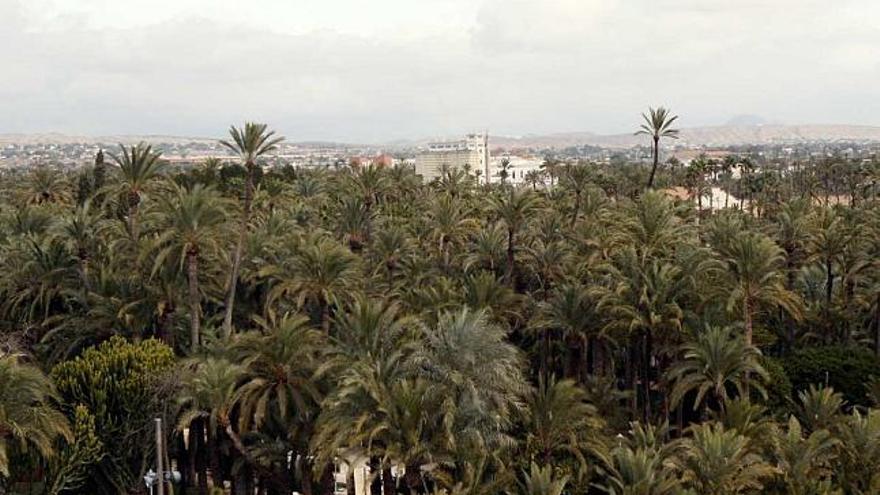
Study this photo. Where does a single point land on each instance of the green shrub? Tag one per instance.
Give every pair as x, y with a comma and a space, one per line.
119, 386
778, 387
847, 369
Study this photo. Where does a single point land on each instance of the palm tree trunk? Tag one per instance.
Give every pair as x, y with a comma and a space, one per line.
239, 249
192, 273
197, 445
646, 372
375, 476
829, 285
877, 325
510, 257
84, 274
632, 375
214, 457
388, 485
656, 160
747, 322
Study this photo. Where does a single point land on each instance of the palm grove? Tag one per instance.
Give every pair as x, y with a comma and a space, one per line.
582, 334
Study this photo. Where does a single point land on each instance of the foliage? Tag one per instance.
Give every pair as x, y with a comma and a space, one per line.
842, 367
122, 386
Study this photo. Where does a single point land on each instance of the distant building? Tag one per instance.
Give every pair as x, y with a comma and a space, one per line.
518, 168
472, 152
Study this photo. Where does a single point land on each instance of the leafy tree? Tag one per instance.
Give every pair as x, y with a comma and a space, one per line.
122, 385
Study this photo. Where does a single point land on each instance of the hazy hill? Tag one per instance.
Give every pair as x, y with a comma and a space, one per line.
723, 135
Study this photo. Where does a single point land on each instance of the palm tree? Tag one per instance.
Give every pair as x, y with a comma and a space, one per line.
80, 231
479, 373
820, 408
138, 166
320, 273
858, 463
713, 364
560, 423
576, 177
45, 185
828, 240
192, 226
657, 125
756, 279
279, 366
449, 225
643, 303
250, 143
206, 401
367, 364
805, 462
722, 462
28, 417
542, 481
514, 208
571, 311
640, 471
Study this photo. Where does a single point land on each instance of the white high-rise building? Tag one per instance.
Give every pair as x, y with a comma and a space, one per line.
472, 153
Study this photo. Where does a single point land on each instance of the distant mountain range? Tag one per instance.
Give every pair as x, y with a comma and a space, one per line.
724, 135
740, 130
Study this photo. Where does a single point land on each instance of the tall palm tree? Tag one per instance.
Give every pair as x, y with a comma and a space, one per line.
28, 417
192, 226
138, 166
514, 208
250, 143
713, 364
658, 124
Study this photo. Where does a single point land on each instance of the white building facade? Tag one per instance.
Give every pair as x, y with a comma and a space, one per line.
470, 153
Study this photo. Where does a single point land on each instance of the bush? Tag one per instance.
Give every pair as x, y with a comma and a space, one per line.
848, 370
118, 388
778, 387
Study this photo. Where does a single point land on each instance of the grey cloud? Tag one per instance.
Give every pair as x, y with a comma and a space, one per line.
522, 66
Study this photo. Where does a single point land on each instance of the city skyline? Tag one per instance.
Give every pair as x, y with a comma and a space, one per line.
347, 71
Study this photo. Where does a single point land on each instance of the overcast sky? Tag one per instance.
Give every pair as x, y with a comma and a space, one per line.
378, 70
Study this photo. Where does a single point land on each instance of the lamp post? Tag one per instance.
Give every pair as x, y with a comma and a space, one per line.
161, 476
159, 467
